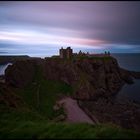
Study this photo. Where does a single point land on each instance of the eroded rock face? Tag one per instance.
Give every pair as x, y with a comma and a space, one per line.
125, 114
90, 78
60, 70
20, 73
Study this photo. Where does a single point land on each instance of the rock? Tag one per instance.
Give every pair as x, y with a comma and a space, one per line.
130, 80
90, 78
126, 76
126, 115
20, 73
134, 74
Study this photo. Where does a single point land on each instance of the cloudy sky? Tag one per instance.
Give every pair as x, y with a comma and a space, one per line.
29, 26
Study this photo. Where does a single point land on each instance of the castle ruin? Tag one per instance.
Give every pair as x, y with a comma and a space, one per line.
68, 53
65, 53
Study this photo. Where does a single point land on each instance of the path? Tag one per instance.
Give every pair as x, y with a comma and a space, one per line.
74, 112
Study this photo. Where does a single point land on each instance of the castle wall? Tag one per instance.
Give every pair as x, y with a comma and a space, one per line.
65, 53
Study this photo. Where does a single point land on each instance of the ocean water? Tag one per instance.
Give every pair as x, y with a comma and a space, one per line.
129, 62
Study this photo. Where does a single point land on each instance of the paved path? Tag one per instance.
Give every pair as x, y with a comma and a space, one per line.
74, 112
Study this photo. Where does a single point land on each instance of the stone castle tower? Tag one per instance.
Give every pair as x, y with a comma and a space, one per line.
65, 53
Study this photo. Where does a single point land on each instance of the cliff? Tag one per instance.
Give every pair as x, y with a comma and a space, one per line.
90, 78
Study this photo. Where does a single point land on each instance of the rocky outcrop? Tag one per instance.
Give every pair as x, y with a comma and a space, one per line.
90, 78
134, 74
20, 73
125, 113
127, 76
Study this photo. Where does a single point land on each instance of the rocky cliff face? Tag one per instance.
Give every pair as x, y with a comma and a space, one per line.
20, 73
89, 77
123, 113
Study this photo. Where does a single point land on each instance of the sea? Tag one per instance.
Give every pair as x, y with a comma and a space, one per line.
129, 61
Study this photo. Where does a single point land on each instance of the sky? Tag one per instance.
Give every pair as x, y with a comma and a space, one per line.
41, 27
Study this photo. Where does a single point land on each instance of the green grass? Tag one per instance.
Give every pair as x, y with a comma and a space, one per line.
26, 124
101, 58
92, 57
41, 95
45, 129
42, 98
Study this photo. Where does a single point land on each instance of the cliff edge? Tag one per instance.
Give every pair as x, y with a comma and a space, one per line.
90, 78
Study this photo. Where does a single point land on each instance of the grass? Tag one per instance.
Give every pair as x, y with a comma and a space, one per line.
42, 98
18, 124
93, 57
41, 95
45, 129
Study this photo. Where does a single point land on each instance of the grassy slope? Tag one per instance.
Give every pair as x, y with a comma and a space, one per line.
41, 95
45, 129
19, 124
33, 120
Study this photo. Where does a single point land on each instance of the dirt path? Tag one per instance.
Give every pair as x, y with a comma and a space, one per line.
74, 112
